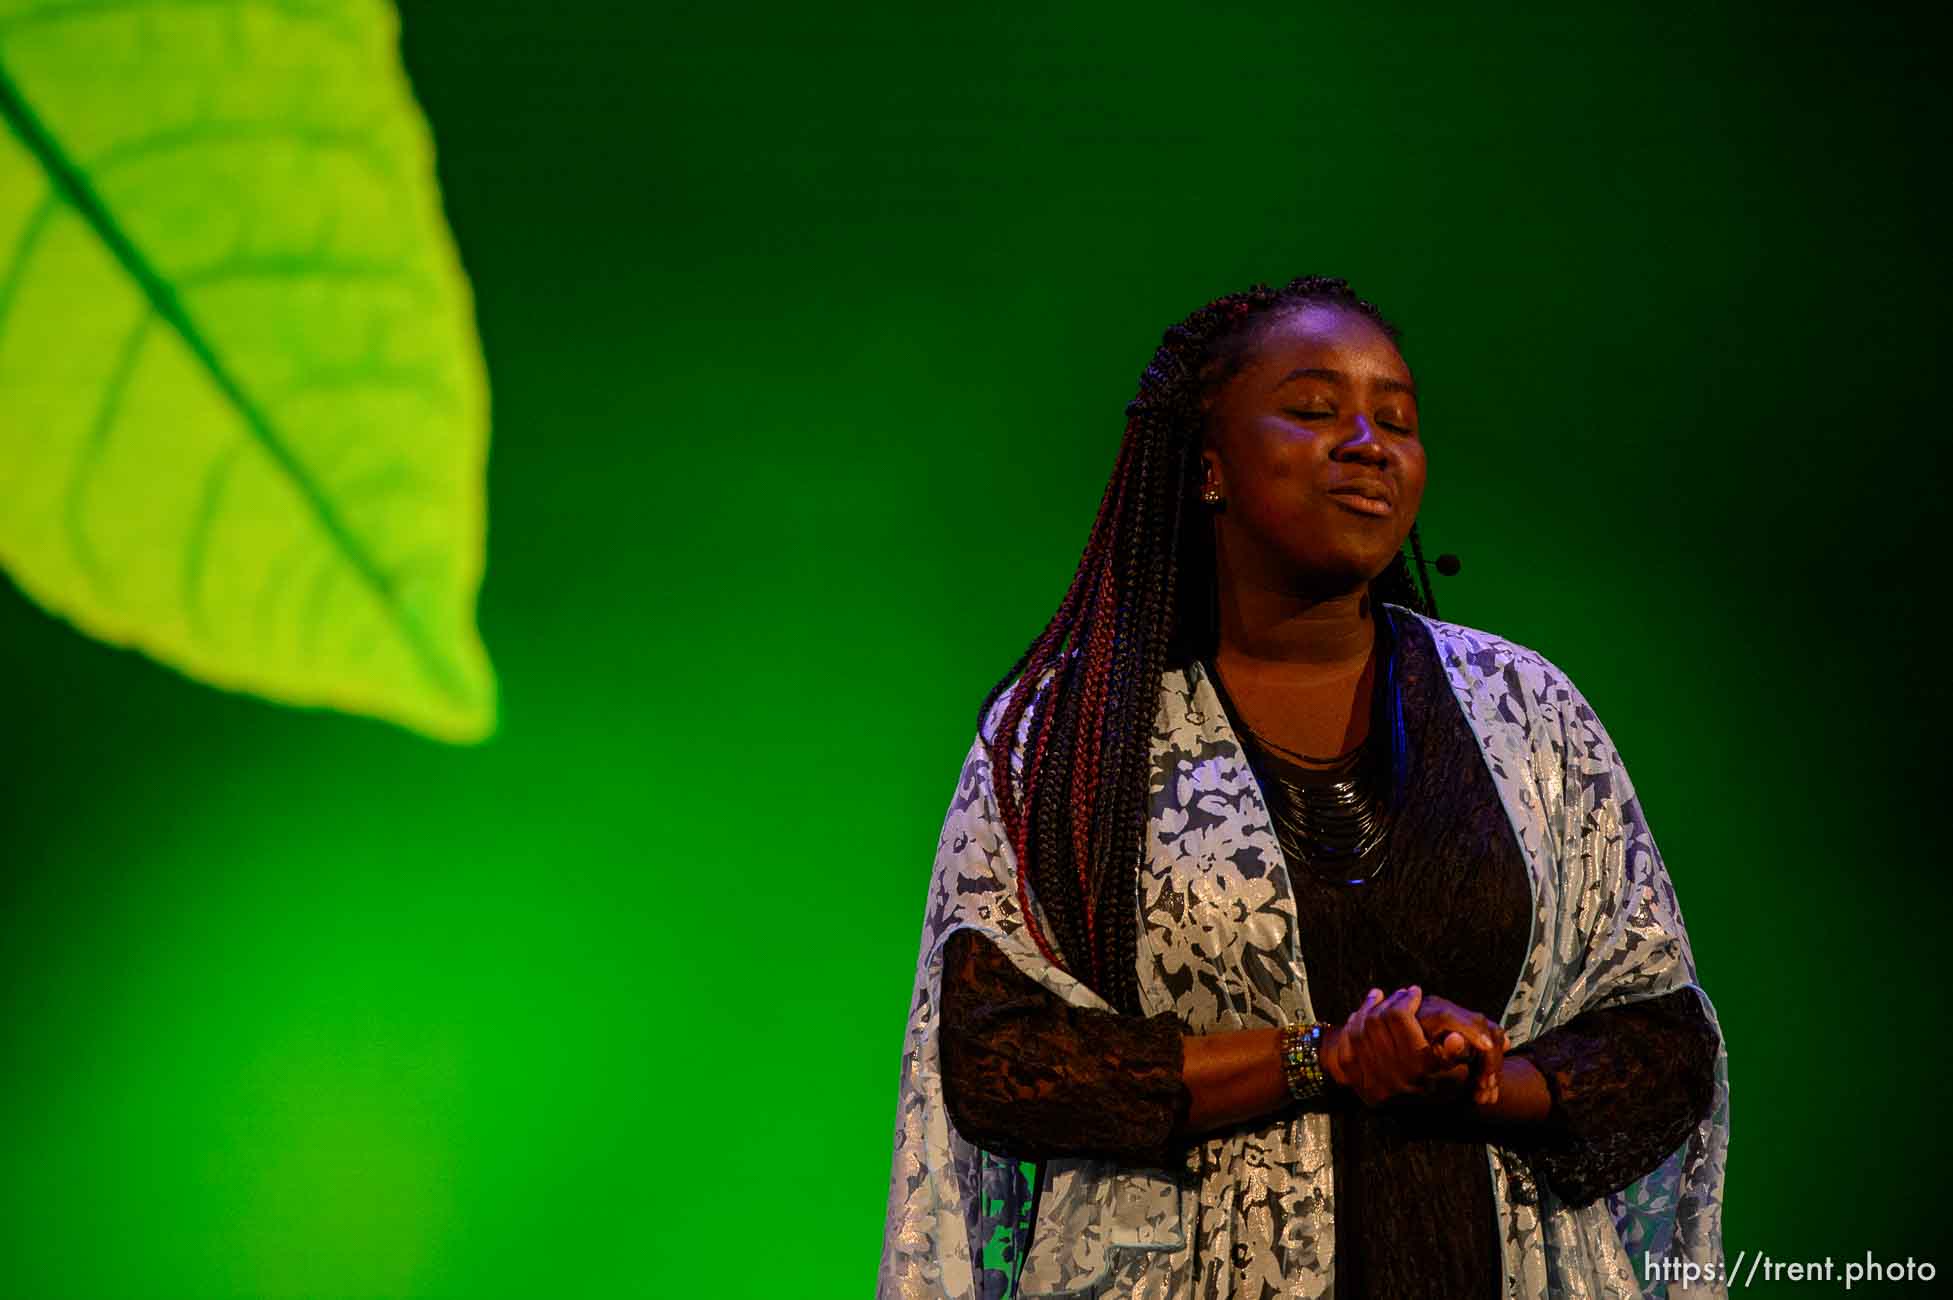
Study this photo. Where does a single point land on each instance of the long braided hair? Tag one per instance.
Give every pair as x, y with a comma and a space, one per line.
1143, 598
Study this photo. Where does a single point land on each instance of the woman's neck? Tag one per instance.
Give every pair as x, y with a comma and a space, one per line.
1279, 634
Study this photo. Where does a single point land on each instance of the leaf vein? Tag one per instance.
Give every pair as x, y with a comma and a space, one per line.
274, 586
214, 483
202, 134
24, 248
308, 267
89, 456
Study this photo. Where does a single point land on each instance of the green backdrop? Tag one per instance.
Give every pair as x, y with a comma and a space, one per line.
809, 335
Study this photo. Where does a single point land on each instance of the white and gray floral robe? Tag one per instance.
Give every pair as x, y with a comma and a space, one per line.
1251, 1213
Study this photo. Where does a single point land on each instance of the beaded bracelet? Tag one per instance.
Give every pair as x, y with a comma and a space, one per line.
1301, 1062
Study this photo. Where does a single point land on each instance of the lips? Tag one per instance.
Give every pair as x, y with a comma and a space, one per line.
1369, 489
1362, 505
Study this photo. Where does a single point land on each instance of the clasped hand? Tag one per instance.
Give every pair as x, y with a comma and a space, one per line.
1415, 1046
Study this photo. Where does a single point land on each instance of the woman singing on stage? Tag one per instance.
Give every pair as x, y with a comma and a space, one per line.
1282, 939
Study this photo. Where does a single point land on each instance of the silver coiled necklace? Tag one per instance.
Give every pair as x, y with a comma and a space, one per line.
1338, 809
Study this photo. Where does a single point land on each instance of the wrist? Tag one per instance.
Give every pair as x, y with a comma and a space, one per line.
1525, 1095
1335, 1063
1299, 1047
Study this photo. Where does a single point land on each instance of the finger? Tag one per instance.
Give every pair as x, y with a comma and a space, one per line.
1494, 1064
1492, 1054
1449, 1047
1361, 1016
1438, 1026
1408, 1054
1441, 1067
1490, 1071
1365, 1015
1400, 1013
1390, 1063
1458, 1043
1400, 1008
1476, 1028
1363, 1008
1357, 1048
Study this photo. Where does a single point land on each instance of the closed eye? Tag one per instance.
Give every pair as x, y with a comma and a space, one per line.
1391, 425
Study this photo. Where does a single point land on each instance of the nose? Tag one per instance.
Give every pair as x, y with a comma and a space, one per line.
1363, 443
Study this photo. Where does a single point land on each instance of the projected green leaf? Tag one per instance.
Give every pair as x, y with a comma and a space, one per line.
243, 408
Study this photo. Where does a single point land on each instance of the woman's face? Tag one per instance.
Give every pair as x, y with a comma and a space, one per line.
1314, 448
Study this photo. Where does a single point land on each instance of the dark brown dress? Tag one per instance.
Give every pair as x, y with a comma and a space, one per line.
1027, 1076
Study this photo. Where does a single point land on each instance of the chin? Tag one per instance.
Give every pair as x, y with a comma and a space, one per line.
1361, 567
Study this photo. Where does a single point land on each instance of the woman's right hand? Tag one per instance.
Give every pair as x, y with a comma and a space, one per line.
1380, 1051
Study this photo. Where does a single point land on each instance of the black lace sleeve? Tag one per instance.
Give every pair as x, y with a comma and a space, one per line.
1028, 1076
1629, 1084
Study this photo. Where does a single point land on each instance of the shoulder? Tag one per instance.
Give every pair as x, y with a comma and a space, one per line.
1477, 652
1512, 688
1504, 683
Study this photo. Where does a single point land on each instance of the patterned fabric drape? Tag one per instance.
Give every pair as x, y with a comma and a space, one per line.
1250, 1214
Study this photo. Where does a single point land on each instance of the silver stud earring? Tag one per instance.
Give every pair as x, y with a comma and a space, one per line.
1210, 495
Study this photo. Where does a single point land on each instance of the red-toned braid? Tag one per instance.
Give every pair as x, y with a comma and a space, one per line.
1085, 732
1076, 803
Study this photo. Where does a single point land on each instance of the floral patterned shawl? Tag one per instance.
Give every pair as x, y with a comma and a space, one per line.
1251, 1213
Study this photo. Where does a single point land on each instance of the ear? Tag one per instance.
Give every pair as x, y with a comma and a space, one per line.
1210, 469
1211, 474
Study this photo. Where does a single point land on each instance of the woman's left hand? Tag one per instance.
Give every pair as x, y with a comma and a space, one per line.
1441, 1019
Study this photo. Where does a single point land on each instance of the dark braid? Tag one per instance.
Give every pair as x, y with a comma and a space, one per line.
1143, 598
